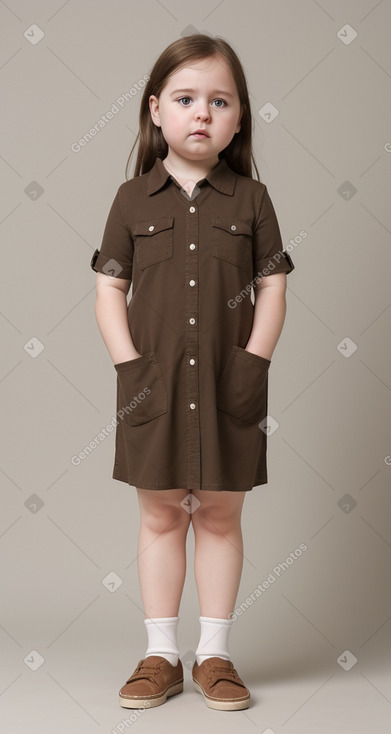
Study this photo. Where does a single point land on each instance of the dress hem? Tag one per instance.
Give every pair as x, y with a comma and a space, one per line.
224, 487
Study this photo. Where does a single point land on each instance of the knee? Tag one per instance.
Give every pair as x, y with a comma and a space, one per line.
163, 518
215, 519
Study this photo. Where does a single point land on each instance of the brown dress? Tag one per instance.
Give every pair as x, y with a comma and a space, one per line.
191, 411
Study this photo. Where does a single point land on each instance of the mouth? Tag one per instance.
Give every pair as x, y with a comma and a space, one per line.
200, 134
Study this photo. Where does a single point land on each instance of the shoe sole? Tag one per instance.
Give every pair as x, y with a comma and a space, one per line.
233, 705
140, 702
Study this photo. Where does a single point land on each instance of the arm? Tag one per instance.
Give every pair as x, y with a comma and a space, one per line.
111, 315
269, 315
270, 303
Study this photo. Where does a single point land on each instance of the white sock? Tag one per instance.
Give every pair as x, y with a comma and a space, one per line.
162, 638
214, 639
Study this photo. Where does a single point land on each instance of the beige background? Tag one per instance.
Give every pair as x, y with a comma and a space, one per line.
68, 638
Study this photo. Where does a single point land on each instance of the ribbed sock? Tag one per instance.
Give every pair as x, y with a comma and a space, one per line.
162, 638
214, 639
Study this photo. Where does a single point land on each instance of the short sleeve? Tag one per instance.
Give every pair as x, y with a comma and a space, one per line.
115, 257
268, 255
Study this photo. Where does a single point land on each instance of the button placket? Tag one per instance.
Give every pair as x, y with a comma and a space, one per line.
192, 347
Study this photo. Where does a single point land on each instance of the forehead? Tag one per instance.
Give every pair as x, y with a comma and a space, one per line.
209, 74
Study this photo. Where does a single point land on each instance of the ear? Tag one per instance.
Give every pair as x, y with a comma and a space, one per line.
154, 109
238, 127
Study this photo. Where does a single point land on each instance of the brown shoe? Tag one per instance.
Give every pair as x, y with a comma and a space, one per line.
151, 683
220, 685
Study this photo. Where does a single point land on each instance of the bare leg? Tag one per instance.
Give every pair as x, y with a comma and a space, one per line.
161, 550
218, 559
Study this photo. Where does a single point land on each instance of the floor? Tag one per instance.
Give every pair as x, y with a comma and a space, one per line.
301, 696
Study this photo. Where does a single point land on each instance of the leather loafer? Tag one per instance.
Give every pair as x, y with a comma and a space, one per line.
153, 680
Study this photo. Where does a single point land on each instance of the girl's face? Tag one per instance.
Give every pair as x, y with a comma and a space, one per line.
202, 95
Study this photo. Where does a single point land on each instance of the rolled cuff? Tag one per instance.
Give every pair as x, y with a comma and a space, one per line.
109, 266
281, 262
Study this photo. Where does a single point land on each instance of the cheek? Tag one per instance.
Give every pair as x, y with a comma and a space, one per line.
230, 122
175, 125
224, 124
173, 121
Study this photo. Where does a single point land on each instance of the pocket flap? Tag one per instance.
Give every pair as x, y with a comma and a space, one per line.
152, 226
232, 225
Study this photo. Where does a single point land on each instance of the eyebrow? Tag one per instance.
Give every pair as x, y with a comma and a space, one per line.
217, 91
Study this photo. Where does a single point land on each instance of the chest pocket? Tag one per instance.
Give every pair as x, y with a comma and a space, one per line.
232, 241
153, 241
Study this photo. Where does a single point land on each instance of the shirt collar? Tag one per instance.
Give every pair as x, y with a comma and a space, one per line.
221, 177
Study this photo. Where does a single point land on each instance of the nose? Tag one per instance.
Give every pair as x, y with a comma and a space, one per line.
202, 111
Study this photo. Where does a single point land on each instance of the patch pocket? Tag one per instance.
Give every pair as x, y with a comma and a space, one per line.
153, 241
141, 390
232, 241
242, 387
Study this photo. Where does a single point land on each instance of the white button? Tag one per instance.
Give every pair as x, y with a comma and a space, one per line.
192, 282
233, 226
192, 406
192, 209
192, 321
192, 361
192, 247
151, 228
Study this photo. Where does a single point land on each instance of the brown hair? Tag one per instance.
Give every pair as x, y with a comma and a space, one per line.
238, 153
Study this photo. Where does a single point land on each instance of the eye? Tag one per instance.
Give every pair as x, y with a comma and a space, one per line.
224, 103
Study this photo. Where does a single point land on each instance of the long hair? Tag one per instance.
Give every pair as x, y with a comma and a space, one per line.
239, 153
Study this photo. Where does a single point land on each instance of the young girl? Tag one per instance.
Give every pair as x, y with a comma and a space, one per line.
196, 235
